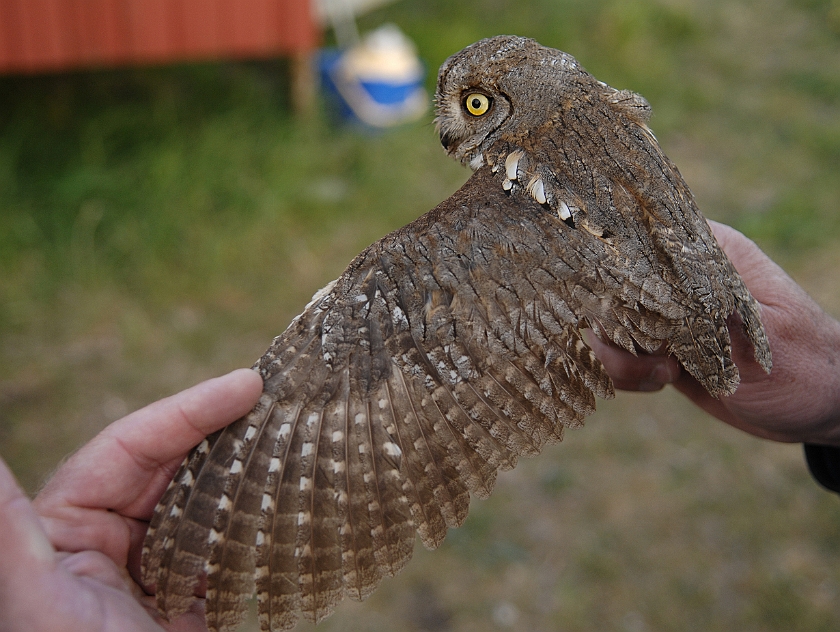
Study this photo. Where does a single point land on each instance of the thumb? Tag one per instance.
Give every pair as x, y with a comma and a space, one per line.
25, 551
24, 547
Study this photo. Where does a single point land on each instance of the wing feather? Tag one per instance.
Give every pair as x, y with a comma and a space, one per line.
231, 562
419, 468
170, 507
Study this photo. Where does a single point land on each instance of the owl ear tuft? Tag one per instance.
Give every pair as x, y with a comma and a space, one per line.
635, 105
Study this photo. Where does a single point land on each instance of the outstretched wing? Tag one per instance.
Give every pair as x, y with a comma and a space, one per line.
444, 352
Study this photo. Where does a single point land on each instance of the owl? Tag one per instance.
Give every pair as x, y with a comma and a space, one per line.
453, 346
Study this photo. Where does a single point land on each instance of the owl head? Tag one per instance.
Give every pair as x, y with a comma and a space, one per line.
500, 88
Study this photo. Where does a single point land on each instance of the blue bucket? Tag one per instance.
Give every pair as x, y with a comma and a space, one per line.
378, 83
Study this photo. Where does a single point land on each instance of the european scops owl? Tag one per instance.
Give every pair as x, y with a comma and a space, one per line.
452, 346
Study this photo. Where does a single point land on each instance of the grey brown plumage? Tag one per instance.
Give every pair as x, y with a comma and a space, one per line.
453, 346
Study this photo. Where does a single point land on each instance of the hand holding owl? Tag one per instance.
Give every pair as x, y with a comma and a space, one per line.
71, 561
800, 400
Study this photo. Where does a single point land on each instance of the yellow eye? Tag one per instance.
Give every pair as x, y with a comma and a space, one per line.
477, 103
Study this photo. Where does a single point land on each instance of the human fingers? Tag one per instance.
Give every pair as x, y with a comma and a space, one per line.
24, 542
115, 468
25, 551
769, 284
630, 372
95, 500
167, 429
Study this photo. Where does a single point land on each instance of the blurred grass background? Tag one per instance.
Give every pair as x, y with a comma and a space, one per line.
159, 226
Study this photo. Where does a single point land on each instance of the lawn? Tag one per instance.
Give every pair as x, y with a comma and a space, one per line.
161, 225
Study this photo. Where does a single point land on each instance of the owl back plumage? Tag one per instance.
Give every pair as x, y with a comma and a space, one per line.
452, 347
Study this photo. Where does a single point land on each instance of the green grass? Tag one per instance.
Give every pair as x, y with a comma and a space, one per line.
161, 225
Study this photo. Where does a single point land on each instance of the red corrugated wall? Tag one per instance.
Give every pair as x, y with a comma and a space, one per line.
43, 35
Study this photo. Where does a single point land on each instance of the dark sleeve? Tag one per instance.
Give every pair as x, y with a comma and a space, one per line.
824, 463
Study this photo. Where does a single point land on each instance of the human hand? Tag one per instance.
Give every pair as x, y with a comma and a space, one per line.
70, 560
799, 401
